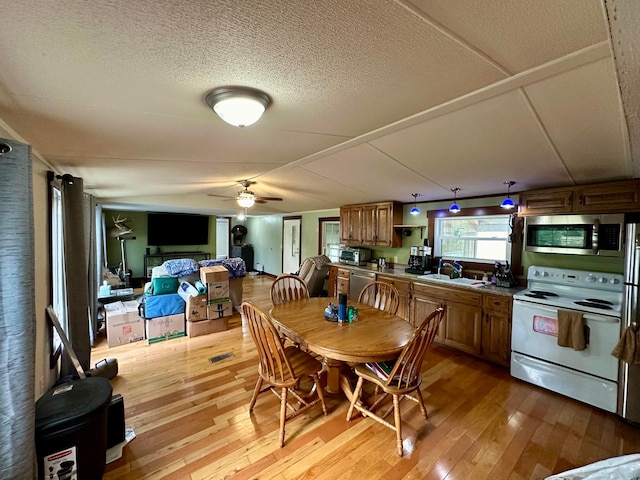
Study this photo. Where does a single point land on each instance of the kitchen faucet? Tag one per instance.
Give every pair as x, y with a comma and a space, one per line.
457, 268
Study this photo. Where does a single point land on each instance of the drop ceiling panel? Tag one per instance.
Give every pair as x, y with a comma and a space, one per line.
367, 170
582, 112
479, 147
522, 34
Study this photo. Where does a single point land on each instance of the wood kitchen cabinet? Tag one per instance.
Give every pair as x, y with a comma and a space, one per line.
613, 197
404, 292
342, 283
461, 326
496, 329
332, 281
371, 224
351, 225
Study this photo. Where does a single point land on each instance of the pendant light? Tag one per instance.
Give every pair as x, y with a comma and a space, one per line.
415, 210
507, 202
455, 208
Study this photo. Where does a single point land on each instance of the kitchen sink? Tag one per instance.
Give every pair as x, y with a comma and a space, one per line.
455, 281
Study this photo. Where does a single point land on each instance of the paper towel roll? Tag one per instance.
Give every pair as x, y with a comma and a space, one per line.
201, 287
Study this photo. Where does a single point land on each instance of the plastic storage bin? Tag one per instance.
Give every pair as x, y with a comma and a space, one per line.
71, 430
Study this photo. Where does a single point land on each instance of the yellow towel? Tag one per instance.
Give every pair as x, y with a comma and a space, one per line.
628, 347
571, 330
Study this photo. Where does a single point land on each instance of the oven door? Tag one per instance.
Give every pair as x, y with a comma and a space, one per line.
533, 335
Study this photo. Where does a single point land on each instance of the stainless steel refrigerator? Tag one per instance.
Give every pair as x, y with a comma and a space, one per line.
629, 381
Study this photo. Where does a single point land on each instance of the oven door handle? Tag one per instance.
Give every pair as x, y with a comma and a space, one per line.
554, 311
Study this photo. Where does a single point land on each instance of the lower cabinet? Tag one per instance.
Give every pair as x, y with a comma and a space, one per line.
476, 323
404, 292
342, 283
496, 329
332, 281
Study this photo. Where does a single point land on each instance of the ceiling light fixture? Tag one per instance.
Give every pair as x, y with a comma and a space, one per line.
246, 198
238, 106
415, 210
507, 202
455, 208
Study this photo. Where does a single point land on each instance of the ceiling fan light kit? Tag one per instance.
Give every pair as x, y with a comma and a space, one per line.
238, 106
246, 199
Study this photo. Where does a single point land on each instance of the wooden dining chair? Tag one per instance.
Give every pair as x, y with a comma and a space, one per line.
281, 368
403, 379
286, 288
380, 295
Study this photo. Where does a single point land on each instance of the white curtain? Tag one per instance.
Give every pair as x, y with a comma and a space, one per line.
17, 313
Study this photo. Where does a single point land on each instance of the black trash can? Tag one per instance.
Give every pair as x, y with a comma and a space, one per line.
71, 430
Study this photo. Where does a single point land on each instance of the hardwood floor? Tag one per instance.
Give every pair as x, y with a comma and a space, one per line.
191, 420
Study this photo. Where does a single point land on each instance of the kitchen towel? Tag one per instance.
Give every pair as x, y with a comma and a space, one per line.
571, 330
628, 347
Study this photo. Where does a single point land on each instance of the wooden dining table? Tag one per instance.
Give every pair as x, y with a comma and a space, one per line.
375, 336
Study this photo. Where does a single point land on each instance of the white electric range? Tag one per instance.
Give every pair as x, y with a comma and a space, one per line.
590, 375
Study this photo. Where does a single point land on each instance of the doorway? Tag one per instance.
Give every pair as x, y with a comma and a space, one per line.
291, 238
329, 241
223, 234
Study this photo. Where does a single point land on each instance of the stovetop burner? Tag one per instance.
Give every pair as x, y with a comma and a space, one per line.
540, 294
587, 303
598, 300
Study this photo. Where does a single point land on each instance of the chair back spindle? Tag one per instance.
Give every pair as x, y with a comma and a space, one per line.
287, 288
380, 295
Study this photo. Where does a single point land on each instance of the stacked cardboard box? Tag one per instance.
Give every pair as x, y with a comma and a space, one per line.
217, 304
123, 324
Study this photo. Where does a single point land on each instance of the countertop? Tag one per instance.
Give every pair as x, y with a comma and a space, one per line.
400, 273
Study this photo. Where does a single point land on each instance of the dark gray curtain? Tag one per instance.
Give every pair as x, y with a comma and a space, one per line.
17, 314
90, 237
76, 269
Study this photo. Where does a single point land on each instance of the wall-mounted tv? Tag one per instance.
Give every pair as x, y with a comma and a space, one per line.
177, 229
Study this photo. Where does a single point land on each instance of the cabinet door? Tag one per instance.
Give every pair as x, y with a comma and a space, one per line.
620, 197
345, 225
463, 327
546, 202
351, 225
384, 223
369, 224
496, 337
404, 292
421, 306
332, 281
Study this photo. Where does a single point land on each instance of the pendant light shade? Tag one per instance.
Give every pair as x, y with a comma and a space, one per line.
414, 210
455, 208
507, 203
238, 106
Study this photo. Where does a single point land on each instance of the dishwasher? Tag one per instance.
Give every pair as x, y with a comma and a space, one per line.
357, 280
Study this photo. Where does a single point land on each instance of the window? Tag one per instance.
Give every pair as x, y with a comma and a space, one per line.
478, 238
57, 265
330, 239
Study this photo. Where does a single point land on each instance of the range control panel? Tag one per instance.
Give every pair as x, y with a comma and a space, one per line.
582, 278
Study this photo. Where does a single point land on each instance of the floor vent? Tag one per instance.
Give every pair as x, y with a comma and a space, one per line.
217, 358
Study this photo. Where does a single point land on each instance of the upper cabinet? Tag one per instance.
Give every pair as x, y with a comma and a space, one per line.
371, 224
614, 197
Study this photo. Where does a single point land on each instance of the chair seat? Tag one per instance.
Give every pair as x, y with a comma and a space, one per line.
302, 364
364, 372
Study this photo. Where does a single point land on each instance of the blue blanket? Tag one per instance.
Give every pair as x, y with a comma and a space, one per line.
181, 267
236, 266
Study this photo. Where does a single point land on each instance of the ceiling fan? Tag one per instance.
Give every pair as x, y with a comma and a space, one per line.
246, 198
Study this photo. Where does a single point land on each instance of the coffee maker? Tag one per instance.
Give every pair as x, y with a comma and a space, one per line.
419, 260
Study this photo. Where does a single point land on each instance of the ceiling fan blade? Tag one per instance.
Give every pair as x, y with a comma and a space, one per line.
269, 199
221, 196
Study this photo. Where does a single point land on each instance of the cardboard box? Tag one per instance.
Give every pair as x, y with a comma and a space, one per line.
218, 292
165, 328
205, 327
219, 310
214, 274
123, 324
196, 308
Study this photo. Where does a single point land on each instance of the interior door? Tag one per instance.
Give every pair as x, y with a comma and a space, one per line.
222, 237
291, 238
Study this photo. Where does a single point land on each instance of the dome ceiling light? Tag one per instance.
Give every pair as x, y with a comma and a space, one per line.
238, 106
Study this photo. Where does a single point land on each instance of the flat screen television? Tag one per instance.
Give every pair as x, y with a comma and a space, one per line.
177, 229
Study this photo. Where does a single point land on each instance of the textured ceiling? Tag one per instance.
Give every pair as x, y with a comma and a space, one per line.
372, 100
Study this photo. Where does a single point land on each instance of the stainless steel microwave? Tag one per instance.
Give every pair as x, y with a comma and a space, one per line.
354, 256
601, 235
